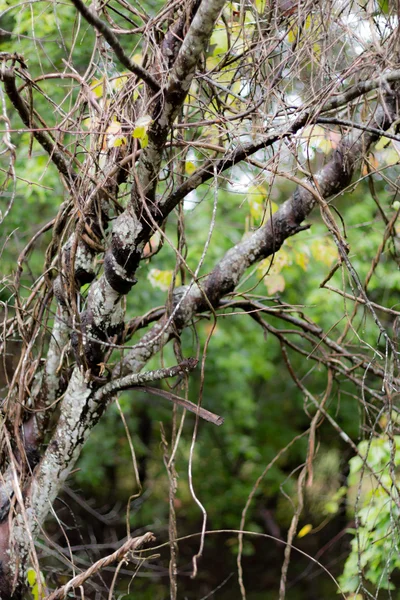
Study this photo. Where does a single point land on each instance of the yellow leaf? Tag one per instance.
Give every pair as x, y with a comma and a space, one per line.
304, 530
136, 92
236, 86
32, 581
269, 209
140, 131
390, 156
325, 145
114, 137
212, 134
324, 250
301, 258
263, 266
160, 279
211, 62
97, 86
260, 6
190, 167
317, 50
119, 141
292, 35
274, 265
382, 143
144, 141
255, 197
274, 284
120, 82
318, 137
280, 260
31, 576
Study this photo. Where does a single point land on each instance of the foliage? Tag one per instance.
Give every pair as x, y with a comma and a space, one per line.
374, 548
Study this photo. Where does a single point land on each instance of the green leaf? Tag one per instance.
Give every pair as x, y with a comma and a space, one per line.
145, 141
160, 279
140, 131
219, 41
383, 7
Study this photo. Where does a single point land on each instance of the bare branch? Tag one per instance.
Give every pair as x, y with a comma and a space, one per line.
206, 171
261, 90
266, 241
94, 20
178, 85
119, 555
352, 124
203, 413
361, 88
135, 379
57, 156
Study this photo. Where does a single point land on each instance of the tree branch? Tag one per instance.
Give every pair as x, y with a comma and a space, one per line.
135, 379
103, 316
190, 406
352, 124
81, 408
253, 307
266, 241
208, 169
361, 88
44, 139
119, 555
94, 20
179, 82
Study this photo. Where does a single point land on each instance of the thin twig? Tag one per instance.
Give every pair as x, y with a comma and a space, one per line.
118, 555
352, 124
94, 20
194, 408
44, 139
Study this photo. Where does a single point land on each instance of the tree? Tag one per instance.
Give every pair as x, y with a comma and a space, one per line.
155, 115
